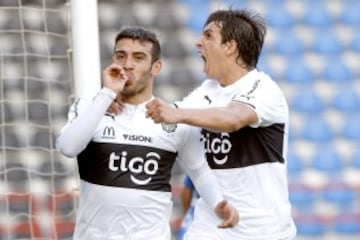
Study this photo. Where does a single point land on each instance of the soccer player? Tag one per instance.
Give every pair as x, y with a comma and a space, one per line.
125, 160
244, 118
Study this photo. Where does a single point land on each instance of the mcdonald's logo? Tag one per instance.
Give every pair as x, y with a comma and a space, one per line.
108, 132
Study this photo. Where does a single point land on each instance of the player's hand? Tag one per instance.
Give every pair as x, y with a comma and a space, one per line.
116, 106
227, 213
114, 77
162, 112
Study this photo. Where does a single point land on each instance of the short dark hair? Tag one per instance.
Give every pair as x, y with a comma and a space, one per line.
246, 28
142, 35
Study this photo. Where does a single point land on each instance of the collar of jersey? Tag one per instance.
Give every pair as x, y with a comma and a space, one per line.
240, 81
139, 107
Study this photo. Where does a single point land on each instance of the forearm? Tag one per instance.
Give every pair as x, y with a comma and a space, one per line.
209, 190
185, 198
214, 119
77, 134
206, 185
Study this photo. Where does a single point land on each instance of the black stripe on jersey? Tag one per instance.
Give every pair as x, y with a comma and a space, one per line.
129, 166
245, 147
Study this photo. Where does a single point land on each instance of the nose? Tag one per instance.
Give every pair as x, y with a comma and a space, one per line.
198, 42
128, 63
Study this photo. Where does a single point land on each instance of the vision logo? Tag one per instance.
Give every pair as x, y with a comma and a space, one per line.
137, 138
218, 146
135, 165
108, 132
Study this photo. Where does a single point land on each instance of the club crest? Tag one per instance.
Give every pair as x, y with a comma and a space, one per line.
169, 128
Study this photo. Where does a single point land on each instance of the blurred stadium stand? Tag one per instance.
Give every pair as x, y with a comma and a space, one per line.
312, 50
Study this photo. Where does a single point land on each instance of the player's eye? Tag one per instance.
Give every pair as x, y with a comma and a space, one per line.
207, 35
120, 56
139, 57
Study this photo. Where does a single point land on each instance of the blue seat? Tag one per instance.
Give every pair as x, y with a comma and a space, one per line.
307, 101
278, 16
350, 13
289, 43
351, 128
347, 223
355, 159
301, 197
337, 71
340, 195
317, 15
317, 129
310, 225
235, 3
198, 14
346, 100
355, 42
327, 160
295, 164
327, 42
264, 66
298, 72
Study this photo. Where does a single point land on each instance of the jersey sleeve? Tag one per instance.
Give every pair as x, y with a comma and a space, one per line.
83, 118
192, 158
266, 99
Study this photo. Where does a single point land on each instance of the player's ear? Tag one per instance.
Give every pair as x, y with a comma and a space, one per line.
230, 48
156, 67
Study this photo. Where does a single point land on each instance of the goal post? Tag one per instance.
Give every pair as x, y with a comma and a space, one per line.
49, 51
85, 47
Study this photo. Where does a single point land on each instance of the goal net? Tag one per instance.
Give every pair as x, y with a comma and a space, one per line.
38, 186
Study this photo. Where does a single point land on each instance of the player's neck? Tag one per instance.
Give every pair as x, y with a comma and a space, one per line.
233, 76
136, 99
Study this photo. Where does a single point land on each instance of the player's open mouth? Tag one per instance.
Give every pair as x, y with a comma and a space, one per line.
203, 58
206, 66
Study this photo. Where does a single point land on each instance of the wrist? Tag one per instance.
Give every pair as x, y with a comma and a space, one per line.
179, 115
108, 92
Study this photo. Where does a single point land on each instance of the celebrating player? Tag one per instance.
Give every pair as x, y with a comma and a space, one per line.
244, 119
125, 160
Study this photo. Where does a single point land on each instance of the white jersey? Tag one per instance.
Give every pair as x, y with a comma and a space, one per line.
125, 171
250, 163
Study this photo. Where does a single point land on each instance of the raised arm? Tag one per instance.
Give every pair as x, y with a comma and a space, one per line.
225, 119
85, 116
79, 130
